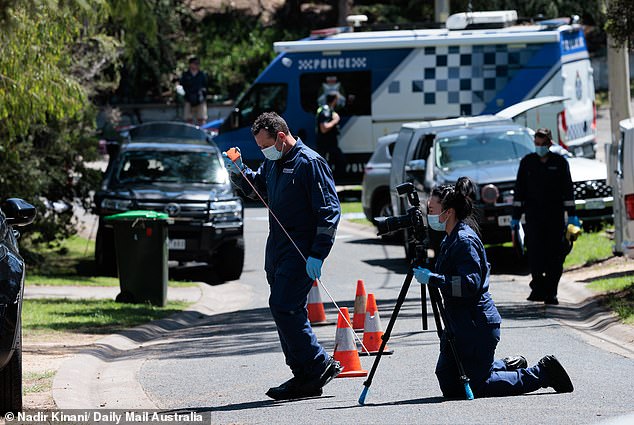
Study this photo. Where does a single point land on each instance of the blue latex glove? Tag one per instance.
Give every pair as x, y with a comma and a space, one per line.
574, 220
233, 167
422, 275
515, 224
313, 268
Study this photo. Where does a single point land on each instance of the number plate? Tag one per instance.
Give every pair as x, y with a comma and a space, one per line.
176, 244
504, 220
595, 204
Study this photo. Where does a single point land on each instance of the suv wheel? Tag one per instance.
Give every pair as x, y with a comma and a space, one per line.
229, 260
105, 258
382, 205
11, 380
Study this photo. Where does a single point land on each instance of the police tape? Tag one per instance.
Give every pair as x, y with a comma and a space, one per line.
234, 157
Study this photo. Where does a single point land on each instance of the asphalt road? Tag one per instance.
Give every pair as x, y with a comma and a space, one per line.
224, 365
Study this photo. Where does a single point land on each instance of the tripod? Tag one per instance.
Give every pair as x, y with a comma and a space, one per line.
440, 313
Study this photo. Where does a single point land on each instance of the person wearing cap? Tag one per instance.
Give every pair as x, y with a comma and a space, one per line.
544, 194
328, 134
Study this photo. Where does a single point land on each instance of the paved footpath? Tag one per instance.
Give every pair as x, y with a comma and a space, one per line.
219, 357
189, 294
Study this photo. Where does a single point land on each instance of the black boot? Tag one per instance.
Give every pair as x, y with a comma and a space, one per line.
557, 376
551, 300
515, 362
301, 387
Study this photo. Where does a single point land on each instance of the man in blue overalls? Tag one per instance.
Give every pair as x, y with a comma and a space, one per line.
301, 194
544, 192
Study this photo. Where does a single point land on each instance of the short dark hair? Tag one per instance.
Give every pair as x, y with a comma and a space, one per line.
271, 123
545, 133
195, 60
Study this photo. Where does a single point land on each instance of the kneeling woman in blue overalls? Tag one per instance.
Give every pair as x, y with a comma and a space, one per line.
462, 275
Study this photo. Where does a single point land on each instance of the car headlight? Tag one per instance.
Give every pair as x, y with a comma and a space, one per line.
116, 204
221, 207
225, 210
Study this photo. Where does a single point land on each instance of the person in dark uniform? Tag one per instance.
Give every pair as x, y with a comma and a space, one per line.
328, 135
301, 194
462, 275
194, 82
544, 193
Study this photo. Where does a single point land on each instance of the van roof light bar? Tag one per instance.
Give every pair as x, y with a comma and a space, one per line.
472, 20
327, 32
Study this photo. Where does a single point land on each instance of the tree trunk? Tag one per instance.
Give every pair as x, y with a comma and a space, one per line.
344, 7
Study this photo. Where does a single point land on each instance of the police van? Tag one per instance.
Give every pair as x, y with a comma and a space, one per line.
620, 159
481, 63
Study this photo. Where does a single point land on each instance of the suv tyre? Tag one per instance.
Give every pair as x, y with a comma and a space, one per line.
11, 380
105, 258
229, 259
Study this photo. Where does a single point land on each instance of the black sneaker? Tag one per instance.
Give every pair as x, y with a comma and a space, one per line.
515, 362
292, 389
557, 376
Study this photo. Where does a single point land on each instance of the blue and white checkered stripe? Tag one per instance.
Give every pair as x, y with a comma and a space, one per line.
468, 77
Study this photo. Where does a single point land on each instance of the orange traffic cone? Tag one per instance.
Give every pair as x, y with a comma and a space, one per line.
373, 333
345, 348
360, 301
316, 312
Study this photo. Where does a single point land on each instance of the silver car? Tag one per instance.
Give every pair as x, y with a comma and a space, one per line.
375, 188
593, 196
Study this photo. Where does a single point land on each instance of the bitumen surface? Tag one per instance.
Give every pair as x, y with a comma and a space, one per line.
132, 370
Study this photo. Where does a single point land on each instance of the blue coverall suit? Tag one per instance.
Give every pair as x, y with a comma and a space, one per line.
302, 195
462, 275
543, 191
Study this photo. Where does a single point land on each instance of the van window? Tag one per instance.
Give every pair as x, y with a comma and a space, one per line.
261, 98
354, 88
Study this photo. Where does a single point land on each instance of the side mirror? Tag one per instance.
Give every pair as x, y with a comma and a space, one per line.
18, 212
416, 165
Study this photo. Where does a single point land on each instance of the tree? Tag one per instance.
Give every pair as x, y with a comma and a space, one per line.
620, 22
53, 58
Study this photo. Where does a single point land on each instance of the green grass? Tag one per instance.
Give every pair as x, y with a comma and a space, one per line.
354, 207
89, 315
588, 249
72, 264
620, 295
38, 382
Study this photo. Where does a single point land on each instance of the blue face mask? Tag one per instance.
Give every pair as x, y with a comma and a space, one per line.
434, 222
542, 150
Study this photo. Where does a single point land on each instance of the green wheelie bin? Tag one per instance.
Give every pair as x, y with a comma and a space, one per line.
142, 253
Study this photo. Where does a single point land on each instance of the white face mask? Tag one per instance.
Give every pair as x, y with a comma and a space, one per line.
434, 222
272, 153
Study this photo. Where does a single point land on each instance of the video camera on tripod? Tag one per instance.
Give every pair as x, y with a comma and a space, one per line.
413, 219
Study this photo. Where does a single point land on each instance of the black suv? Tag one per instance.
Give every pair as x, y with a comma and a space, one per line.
15, 212
174, 168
